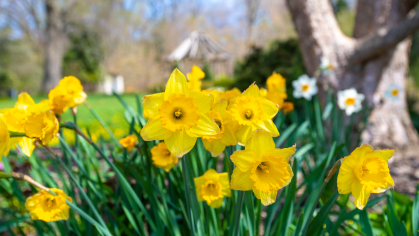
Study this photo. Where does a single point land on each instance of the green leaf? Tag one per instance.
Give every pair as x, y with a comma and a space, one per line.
321, 216
365, 223
397, 227
415, 213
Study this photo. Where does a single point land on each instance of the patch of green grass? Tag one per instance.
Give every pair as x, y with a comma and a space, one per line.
107, 106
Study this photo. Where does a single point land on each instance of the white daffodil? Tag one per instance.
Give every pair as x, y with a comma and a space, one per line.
350, 101
393, 92
304, 87
325, 66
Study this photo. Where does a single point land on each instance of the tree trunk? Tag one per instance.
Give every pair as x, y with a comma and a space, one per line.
54, 46
375, 58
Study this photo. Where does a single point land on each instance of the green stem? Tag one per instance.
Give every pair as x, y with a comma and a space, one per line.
186, 186
237, 213
16, 134
5, 175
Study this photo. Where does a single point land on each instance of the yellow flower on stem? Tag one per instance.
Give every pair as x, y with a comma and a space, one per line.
216, 144
212, 187
68, 93
4, 140
178, 116
230, 94
15, 119
47, 207
128, 142
261, 167
194, 78
363, 172
252, 112
162, 157
276, 83
287, 107
41, 123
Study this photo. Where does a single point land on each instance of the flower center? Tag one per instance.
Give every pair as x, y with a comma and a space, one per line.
50, 201
177, 114
372, 173
395, 92
350, 101
305, 87
263, 168
211, 191
248, 114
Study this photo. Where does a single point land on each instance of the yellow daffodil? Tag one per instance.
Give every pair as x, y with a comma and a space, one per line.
216, 144
129, 142
287, 107
230, 94
15, 119
162, 157
276, 97
252, 112
261, 167
41, 123
214, 93
212, 187
276, 83
4, 140
68, 93
178, 116
363, 172
47, 207
194, 78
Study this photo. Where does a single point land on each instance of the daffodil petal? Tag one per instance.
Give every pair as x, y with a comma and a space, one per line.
152, 104
199, 181
243, 159
228, 138
345, 180
180, 143
203, 101
4, 140
221, 107
217, 203
360, 152
268, 198
27, 145
284, 153
176, 84
215, 147
252, 91
224, 181
257, 193
205, 127
360, 193
269, 108
260, 142
244, 133
269, 126
383, 154
154, 130
241, 180
23, 101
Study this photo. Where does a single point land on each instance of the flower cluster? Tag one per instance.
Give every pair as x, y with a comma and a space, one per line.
180, 115
38, 123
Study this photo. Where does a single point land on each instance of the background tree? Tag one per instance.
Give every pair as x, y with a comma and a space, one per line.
373, 59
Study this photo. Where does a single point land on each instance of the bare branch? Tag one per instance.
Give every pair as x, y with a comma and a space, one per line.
384, 39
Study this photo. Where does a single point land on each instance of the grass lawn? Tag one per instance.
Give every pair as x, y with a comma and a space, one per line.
107, 106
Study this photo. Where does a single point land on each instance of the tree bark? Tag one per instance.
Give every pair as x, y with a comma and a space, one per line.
54, 46
375, 58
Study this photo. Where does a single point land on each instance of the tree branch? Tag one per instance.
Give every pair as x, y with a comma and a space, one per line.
384, 39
